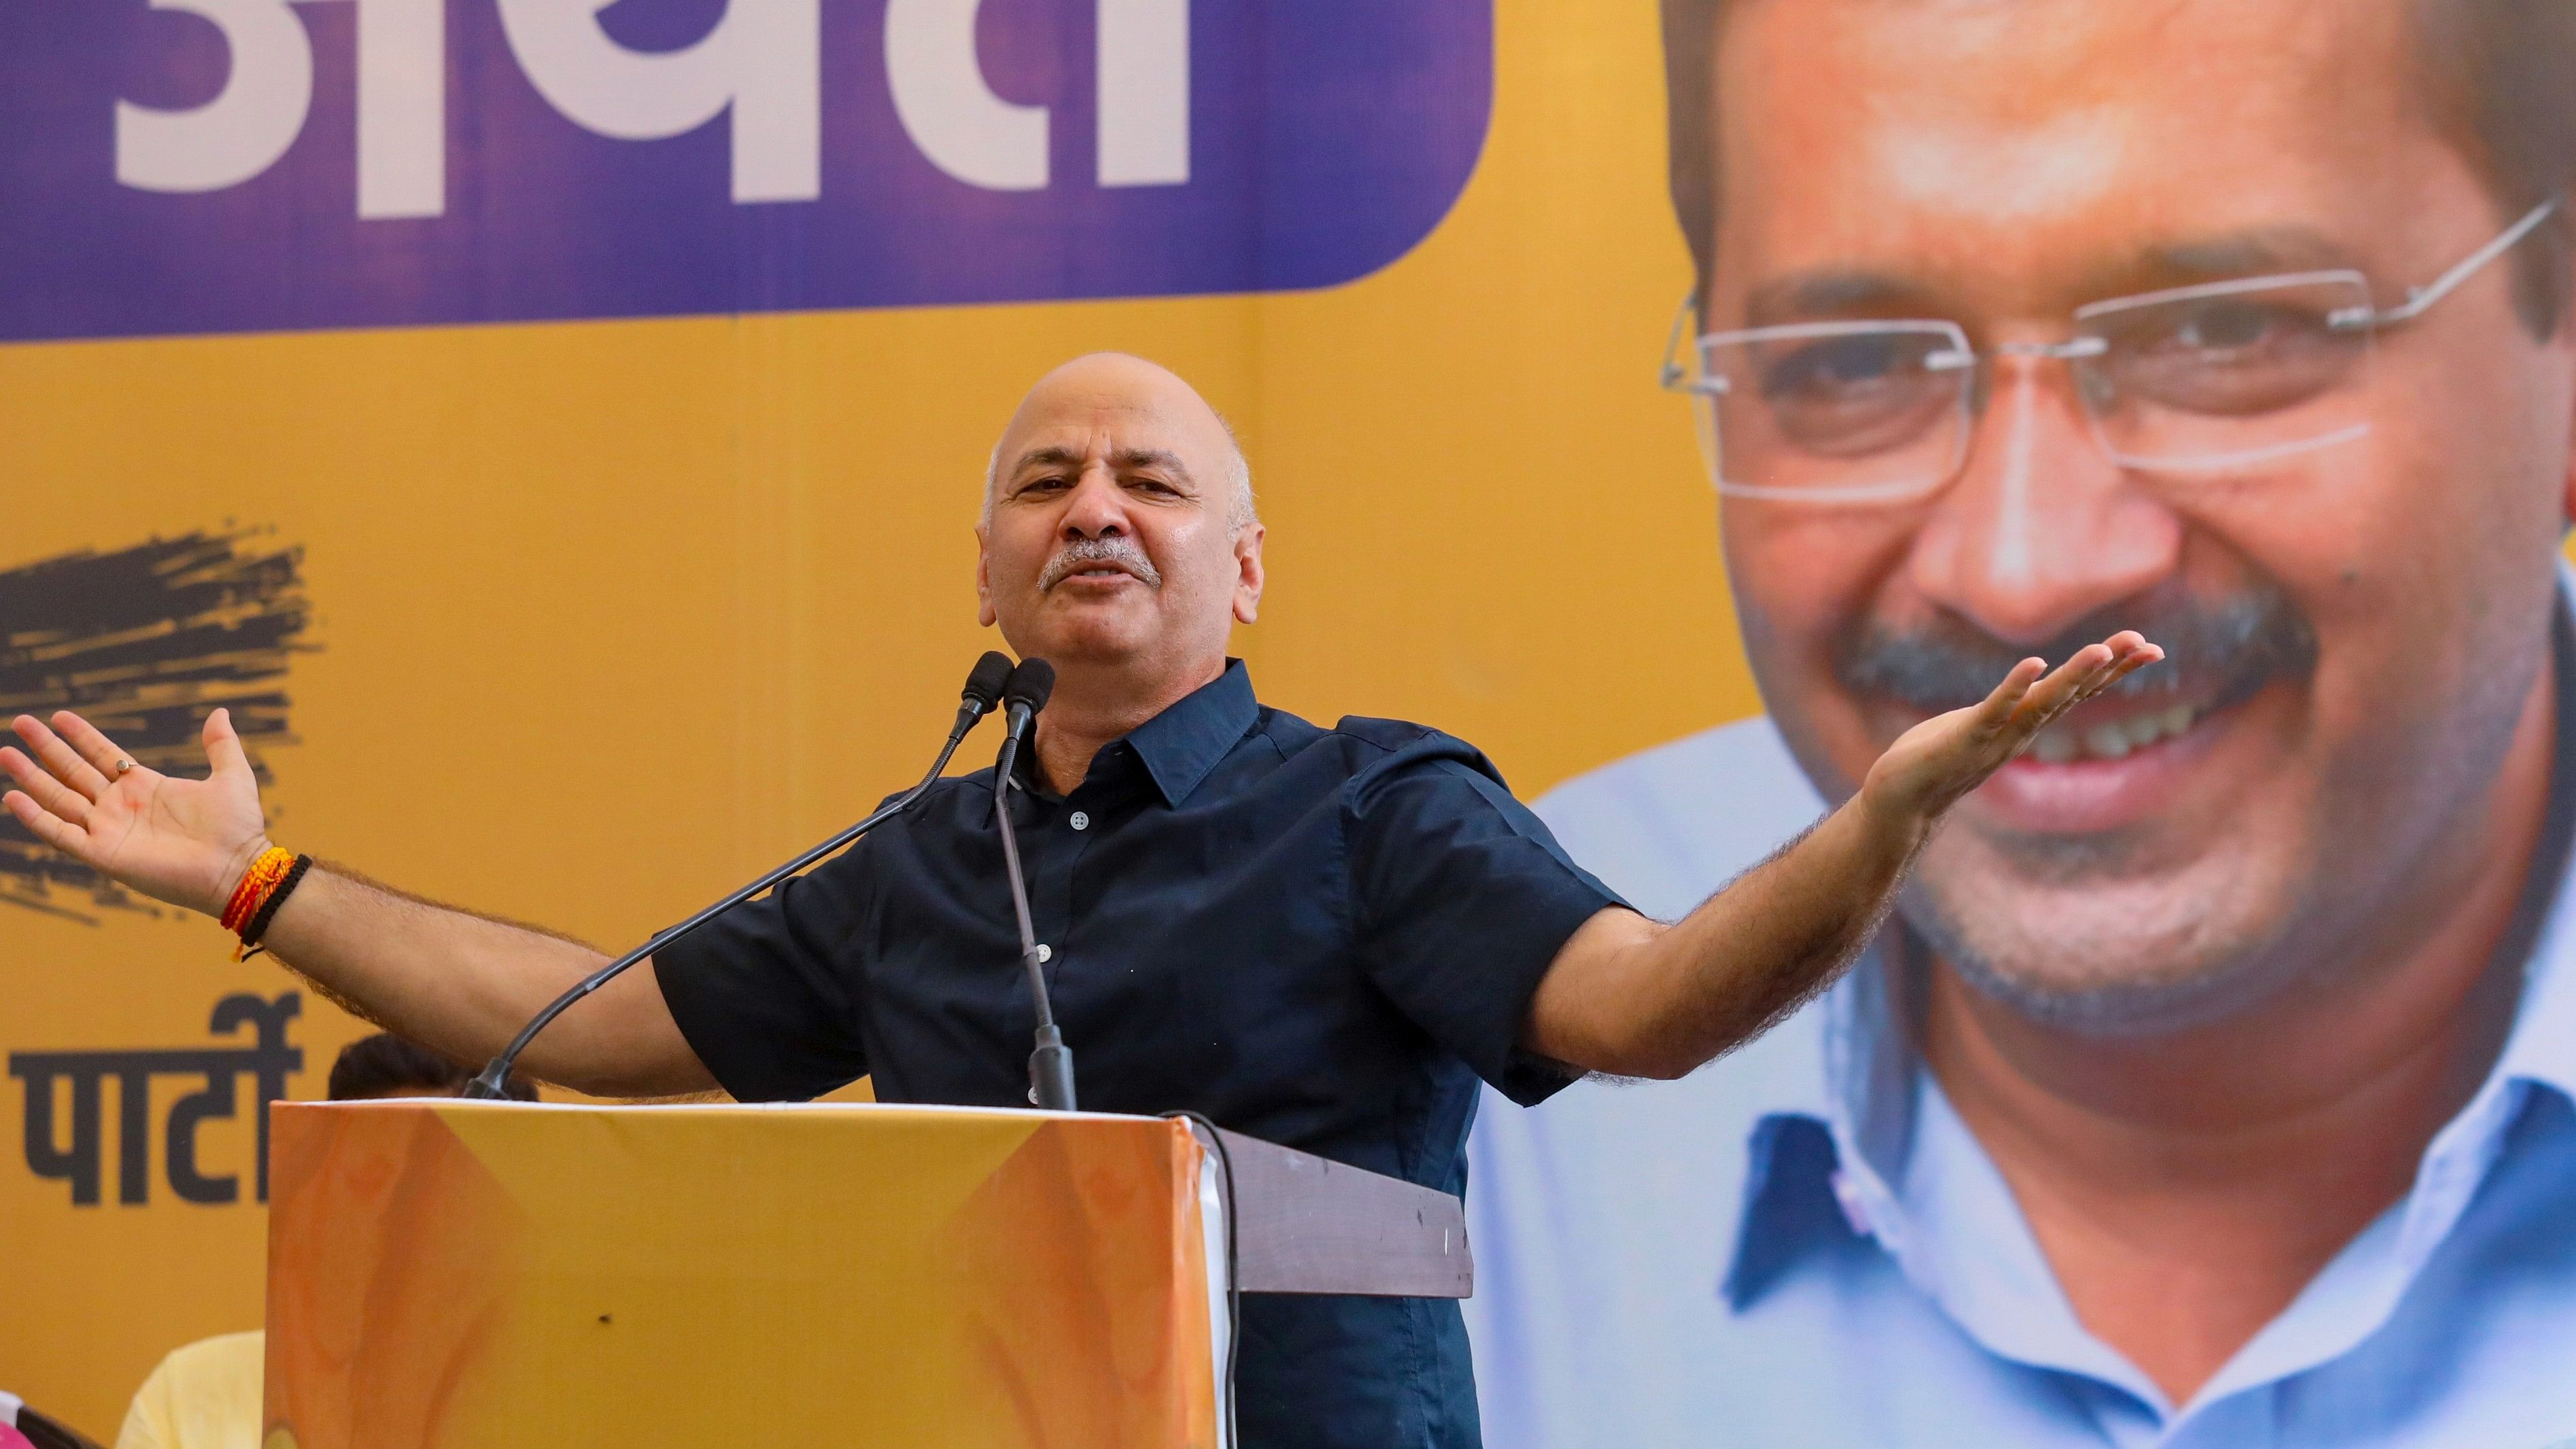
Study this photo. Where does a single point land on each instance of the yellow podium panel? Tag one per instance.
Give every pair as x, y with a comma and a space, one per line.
447, 1274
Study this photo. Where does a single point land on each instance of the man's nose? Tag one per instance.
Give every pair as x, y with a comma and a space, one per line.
1097, 507
2041, 528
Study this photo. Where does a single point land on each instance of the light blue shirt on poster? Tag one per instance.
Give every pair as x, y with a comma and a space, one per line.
1803, 1245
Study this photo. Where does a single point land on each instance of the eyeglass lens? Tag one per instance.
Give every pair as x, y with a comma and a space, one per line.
2195, 379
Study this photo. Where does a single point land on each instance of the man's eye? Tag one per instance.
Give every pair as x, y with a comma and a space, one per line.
1842, 367
2229, 328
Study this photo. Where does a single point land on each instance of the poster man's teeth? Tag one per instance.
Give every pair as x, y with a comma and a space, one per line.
2064, 744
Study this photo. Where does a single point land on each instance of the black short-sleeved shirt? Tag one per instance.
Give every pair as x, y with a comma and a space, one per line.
1318, 937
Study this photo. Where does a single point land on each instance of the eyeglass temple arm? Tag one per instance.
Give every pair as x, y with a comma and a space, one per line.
1674, 375
2419, 298
1673, 372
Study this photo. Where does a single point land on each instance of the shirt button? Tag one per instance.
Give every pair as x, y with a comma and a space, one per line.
1080, 821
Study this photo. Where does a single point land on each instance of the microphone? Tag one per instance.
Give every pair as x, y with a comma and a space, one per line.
1051, 1065
984, 685
1022, 698
984, 688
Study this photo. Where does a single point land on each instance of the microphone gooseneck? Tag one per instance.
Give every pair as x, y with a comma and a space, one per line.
984, 689
1051, 1065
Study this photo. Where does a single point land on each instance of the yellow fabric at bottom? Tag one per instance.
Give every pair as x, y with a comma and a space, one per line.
203, 1396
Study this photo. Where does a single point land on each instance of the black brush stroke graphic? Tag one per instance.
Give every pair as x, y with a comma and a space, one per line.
145, 643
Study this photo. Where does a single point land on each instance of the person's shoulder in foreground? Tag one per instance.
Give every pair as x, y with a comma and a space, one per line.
204, 1395
1654, 1259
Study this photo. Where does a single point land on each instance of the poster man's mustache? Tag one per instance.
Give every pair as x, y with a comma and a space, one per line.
2217, 653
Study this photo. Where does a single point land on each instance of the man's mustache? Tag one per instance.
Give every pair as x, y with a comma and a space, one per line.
1086, 552
2217, 653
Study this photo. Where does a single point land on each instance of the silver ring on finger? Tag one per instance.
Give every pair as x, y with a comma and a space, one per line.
122, 766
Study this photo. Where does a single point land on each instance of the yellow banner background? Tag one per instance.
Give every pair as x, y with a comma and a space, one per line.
609, 616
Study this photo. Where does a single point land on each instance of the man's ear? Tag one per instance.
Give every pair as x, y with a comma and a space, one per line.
984, 614
1248, 573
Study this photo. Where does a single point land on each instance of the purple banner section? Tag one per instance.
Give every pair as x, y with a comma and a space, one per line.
196, 166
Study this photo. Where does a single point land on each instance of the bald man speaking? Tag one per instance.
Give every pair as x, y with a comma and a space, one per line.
1318, 936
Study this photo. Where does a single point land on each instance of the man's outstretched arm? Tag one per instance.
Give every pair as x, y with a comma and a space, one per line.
1636, 998
456, 982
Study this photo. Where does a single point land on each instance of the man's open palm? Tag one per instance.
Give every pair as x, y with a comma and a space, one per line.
1933, 764
186, 842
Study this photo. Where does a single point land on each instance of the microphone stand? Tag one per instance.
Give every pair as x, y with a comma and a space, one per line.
1051, 1065
488, 1085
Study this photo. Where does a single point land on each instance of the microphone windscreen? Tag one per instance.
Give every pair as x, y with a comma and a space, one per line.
992, 675
1031, 683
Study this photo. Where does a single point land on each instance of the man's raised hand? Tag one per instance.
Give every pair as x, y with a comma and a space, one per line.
186, 842
1933, 764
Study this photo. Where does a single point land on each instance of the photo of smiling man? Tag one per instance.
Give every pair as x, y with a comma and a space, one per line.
2214, 1085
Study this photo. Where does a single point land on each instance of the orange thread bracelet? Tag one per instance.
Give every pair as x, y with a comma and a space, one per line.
256, 884
257, 926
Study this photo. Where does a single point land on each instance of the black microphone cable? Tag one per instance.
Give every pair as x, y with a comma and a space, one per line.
984, 688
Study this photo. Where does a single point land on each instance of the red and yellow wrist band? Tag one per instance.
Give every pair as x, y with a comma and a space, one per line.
264, 887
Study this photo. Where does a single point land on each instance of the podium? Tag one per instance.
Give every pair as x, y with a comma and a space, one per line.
474, 1275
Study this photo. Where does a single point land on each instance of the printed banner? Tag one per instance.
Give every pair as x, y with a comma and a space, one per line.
245, 165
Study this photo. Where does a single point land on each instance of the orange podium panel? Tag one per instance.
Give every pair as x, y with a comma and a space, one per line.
474, 1275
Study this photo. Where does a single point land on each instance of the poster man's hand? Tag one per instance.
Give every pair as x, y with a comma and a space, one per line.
186, 842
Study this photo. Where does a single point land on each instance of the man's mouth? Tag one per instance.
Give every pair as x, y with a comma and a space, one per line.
1096, 571
2114, 765
2185, 727
2082, 738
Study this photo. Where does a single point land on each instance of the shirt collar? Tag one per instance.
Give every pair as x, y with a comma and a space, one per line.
1808, 1180
1826, 1141
1182, 744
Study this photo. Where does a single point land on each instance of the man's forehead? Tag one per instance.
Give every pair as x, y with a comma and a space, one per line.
1119, 407
2029, 135
2009, 64
1118, 441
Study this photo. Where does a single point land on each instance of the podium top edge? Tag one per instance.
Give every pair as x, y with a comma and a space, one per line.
731, 1109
